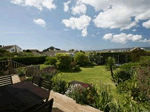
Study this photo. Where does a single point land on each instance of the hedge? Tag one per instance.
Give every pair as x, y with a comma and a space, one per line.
28, 60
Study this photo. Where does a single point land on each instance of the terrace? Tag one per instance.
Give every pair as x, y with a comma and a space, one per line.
63, 102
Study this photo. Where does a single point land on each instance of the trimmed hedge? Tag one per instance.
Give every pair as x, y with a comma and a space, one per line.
28, 60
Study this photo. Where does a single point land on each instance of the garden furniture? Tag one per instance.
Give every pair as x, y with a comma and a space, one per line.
21, 96
43, 83
5, 80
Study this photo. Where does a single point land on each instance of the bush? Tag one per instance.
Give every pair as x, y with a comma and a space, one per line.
59, 86
129, 66
50, 61
122, 75
143, 77
82, 95
144, 61
76, 68
63, 61
81, 59
47, 73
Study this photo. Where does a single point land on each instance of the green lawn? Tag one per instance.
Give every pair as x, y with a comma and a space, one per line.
91, 75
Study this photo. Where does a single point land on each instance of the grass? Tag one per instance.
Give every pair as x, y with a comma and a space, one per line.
91, 75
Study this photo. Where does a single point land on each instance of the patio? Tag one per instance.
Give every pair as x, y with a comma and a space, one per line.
63, 102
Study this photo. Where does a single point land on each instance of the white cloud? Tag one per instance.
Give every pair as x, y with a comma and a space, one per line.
40, 22
66, 7
134, 30
146, 24
79, 9
108, 36
122, 38
84, 32
143, 16
119, 13
145, 40
80, 23
40, 4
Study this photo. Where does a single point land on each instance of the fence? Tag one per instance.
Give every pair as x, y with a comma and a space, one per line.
8, 66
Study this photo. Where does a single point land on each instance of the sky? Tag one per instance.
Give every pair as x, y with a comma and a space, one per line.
75, 24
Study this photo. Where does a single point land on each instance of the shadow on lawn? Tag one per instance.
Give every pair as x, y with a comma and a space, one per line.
88, 67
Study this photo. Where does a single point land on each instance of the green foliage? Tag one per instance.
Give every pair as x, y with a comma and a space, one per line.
122, 75
144, 61
2, 50
81, 59
50, 61
21, 71
82, 95
128, 66
110, 61
95, 57
104, 99
136, 54
76, 68
30, 60
59, 86
143, 77
63, 61
47, 73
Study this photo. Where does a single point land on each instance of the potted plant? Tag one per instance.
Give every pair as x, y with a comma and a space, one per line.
21, 73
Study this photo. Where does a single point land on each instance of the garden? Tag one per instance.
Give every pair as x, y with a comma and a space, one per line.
113, 89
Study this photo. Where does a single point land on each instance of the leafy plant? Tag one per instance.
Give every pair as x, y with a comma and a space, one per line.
110, 64
63, 61
76, 68
47, 73
95, 57
50, 61
122, 75
21, 71
81, 59
59, 86
129, 66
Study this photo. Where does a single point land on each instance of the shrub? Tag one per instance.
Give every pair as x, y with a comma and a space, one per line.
143, 77
128, 66
59, 86
81, 59
30, 60
50, 61
95, 57
82, 95
105, 98
76, 68
63, 61
78, 93
144, 61
47, 73
122, 75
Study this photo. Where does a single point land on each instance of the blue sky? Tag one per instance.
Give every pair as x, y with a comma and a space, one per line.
77, 24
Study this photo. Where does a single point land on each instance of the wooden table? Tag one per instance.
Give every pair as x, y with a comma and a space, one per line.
21, 96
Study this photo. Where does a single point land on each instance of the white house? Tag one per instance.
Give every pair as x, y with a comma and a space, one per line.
12, 48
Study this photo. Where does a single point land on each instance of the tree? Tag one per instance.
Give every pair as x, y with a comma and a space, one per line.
57, 48
111, 63
71, 50
51, 48
95, 57
1, 46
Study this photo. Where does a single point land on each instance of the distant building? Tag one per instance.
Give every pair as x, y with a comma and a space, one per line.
12, 48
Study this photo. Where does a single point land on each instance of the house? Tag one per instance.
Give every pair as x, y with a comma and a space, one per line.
12, 48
